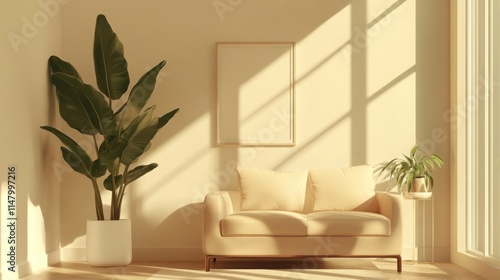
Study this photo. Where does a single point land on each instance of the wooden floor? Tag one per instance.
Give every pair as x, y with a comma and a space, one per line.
360, 269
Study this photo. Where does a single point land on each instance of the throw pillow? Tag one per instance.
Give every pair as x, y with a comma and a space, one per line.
272, 190
349, 188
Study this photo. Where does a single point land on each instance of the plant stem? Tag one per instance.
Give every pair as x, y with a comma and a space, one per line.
122, 191
97, 193
115, 210
95, 145
98, 200
113, 195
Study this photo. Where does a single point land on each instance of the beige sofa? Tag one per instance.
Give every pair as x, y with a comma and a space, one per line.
312, 214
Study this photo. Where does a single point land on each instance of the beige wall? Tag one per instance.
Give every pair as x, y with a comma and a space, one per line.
30, 33
372, 79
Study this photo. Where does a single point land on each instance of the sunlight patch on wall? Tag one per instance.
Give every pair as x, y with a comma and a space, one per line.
329, 39
391, 46
324, 75
324, 91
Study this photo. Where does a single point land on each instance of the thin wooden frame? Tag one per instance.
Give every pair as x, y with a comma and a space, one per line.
255, 93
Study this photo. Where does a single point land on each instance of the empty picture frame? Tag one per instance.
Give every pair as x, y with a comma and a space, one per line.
255, 93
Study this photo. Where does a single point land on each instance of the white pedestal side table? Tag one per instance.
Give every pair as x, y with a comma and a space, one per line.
421, 198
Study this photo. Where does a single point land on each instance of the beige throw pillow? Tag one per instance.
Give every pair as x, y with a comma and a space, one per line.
272, 190
349, 188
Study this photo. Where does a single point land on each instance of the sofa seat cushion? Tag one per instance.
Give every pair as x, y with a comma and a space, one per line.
264, 223
347, 223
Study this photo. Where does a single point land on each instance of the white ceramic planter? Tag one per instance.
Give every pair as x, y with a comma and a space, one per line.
418, 185
109, 243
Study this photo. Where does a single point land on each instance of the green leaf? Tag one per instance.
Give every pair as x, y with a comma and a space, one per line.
104, 152
389, 166
75, 162
413, 151
98, 169
431, 182
138, 172
409, 161
438, 160
409, 179
58, 65
109, 61
82, 106
73, 147
138, 97
138, 140
132, 175
134, 140
108, 182
165, 118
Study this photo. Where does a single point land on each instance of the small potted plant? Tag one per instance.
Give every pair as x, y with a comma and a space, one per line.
414, 171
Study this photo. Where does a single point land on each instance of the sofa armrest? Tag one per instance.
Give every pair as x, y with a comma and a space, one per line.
217, 205
391, 206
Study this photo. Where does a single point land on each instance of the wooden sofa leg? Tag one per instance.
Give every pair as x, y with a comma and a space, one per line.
400, 265
207, 263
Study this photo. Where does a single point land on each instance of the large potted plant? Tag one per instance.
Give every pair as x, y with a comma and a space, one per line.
120, 136
413, 172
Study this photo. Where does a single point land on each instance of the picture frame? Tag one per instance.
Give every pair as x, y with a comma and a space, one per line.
255, 93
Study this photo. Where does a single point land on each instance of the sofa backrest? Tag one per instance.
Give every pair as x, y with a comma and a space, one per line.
343, 189
235, 199
349, 188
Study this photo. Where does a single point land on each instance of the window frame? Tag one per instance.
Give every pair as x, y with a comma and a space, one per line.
479, 100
